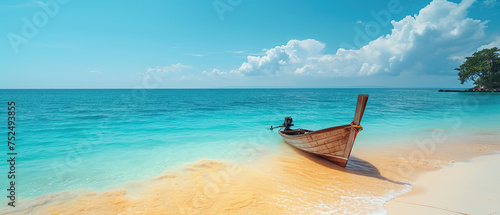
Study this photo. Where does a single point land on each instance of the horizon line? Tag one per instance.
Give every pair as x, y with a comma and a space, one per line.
222, 88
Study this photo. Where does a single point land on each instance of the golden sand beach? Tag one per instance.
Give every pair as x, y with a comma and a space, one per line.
293, 182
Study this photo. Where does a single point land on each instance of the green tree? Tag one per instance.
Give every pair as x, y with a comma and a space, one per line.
483, 68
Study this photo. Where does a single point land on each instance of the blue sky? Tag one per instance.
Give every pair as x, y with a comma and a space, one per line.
240, 43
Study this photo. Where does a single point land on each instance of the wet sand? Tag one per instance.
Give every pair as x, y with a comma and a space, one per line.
288, 182
292, 183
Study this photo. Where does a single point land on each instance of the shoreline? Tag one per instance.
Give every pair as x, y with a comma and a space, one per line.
470, 91
464, 188
290, 181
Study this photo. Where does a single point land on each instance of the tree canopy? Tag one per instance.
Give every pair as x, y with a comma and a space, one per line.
483, 68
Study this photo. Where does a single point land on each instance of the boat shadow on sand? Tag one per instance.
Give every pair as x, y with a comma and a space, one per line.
355, 165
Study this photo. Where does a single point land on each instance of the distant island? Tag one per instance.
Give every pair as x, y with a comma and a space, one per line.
483, 68
474, 89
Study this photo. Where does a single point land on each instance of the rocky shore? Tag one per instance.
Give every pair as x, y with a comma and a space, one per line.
474, 89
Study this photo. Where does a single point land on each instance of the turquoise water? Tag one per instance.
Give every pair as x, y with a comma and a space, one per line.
74, 139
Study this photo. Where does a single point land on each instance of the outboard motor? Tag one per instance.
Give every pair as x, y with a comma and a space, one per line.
288, 123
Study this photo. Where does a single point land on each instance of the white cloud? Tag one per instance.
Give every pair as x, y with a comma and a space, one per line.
214, 72
286, 58
94, 71
495, 43
429, 42
167, 69
490, 3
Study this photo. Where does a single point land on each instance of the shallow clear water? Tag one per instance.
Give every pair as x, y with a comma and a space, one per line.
72, 139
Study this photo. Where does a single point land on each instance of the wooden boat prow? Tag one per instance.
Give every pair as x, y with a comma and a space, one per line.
333, 144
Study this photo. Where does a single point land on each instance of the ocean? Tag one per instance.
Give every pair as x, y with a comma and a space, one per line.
97, 140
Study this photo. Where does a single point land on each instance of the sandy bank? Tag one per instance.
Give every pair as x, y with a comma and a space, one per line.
465, 188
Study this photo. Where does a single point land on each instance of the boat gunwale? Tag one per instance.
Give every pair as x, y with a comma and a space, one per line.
312, 132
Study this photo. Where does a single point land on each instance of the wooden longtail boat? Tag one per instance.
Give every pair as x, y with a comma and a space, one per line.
333, 144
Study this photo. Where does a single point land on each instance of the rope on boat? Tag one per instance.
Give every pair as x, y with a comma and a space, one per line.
357, 127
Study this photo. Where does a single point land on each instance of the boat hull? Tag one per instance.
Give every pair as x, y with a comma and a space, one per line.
330, 143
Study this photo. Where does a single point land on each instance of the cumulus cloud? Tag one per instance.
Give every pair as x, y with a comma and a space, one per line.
214, 72
217, 73
433, 42
286, 58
